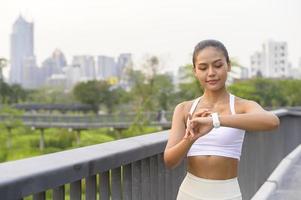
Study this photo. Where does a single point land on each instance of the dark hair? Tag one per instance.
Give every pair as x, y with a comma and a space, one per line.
210, 43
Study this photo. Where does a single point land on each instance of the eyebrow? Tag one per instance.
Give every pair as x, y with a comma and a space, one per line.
212, 62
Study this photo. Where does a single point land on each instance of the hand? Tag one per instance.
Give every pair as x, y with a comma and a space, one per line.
198, 125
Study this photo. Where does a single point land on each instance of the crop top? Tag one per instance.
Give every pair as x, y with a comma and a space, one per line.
222, 141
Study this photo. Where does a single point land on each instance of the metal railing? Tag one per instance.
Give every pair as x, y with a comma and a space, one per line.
129, 168
133, 168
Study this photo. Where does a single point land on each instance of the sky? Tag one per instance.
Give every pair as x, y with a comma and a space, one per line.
168, 29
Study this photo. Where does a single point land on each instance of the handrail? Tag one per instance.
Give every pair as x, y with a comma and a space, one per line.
28, 176
133, 167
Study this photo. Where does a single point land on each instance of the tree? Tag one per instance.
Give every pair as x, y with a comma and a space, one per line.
189, 86
163, 91
269, 92
93, 93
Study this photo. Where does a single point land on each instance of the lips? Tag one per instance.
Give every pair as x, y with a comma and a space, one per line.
212, 82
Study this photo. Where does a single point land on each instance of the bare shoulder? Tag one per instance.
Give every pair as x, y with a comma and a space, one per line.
184, 108
244, 105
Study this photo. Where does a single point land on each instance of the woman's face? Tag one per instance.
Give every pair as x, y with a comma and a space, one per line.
211, 68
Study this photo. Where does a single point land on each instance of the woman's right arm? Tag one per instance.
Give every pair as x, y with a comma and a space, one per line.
177, 146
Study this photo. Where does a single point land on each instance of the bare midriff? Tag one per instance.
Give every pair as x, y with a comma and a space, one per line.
213, 167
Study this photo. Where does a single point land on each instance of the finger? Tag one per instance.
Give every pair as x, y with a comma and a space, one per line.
206, 114
188, 134
190, 130
195, 121
200, 113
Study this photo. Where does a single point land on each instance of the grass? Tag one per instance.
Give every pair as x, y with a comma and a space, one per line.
25, 142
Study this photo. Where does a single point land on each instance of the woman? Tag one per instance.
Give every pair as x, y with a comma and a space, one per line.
210, 129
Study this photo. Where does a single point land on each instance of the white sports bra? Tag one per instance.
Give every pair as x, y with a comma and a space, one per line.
222, 141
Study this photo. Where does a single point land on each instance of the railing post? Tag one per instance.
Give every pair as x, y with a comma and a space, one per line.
161, 177
39, 196
154, 177
59, 193
104, 185
116, 183
127, 182
136, 179
91, 187
76, 190
145, 179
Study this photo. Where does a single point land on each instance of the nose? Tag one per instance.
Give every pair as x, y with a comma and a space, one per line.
211, 71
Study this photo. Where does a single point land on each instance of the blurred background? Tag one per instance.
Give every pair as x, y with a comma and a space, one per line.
101, 63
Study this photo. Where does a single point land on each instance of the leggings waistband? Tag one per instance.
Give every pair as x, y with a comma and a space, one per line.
210, 180
197, 188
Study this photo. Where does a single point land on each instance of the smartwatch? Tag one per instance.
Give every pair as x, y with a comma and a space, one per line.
215, 120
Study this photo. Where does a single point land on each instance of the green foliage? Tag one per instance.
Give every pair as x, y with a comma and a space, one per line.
25, 142
93, 93
92, 137
151, 92
50, 95
7, 110
189, 87
12, 93
269, 92
136, 129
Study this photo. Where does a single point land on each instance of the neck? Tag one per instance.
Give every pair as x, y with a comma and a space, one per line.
215, 97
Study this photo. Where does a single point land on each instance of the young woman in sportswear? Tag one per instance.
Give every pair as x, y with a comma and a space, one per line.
209, 130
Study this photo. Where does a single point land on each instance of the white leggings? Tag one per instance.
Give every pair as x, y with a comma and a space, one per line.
196, 188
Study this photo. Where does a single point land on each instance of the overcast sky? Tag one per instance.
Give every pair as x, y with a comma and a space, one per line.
166, 28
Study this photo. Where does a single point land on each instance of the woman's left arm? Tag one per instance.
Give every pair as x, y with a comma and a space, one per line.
253, 118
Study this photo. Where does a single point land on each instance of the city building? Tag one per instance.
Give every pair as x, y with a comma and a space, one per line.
22, 47
86, 65
59, 59
53, 65
72, 74
106, 67
30, 73
57, 80
271, 61
124, 61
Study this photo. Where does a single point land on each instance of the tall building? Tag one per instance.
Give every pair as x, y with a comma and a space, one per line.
22, 47
86, 65
106, 67
72, 74
59, 59
53, 65
30, 74
258, 67
124, 61
272, 61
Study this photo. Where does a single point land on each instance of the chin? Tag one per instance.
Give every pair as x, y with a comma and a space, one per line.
214, 88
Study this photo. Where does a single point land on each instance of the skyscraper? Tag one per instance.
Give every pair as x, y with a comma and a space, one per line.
106, 67
22, 48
